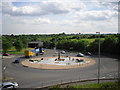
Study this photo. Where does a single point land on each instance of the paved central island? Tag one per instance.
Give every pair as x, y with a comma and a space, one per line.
64, 62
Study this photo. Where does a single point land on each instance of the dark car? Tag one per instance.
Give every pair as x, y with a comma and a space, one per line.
80, 55
31, 60
88, 53
17, 60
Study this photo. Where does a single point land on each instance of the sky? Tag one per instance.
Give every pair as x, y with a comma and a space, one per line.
58, 16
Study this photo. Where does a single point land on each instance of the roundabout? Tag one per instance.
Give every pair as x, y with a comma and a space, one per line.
63, 62
46, 73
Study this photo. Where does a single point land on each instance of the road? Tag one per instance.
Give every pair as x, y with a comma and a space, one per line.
33, 78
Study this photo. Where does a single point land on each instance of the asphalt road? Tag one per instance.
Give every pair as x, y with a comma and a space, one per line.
32, 78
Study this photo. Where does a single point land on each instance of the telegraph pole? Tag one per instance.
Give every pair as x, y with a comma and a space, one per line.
98, 58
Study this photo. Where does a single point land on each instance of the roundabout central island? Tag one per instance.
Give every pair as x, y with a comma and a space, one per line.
63, 62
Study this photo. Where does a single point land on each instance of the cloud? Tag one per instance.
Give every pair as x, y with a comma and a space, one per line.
41, 20
54, 8
10, 9
109, 5
24, 10
68, 5
41, 8
56, 16
29, 21
0, 7
96, 15
33, 10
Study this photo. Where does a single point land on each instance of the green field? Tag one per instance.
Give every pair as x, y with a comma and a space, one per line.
104, 85
14, 51
101, 85
92, 40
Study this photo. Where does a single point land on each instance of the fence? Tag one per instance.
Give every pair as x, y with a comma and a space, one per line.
77, 81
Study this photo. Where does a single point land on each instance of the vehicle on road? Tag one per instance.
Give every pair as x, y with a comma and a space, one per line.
62, 52
80, 55
17, 60
79, 60
34, 52
31, 60
88, 53
6, 54
7, 85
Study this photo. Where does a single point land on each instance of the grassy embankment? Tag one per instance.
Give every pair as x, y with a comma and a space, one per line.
92, 40
101, 85
14, 51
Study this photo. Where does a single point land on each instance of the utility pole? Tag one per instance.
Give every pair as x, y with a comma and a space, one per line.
98, 58
4, 68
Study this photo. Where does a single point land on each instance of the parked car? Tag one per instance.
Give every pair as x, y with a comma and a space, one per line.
80, 55
6, 54
62, 52
31, 60
6, 85
17, 60
88, 53
79, 60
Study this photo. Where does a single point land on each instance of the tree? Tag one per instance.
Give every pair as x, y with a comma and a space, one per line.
93, 47
18, 45
6, 44
82, 45
110, 45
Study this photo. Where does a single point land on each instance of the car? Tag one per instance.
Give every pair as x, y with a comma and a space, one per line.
17, 60
80, 55
6, 54
7, 85
79, 60
88, 53
31, 60
62, 52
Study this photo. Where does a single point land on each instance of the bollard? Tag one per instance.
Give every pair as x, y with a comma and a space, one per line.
52, 82
79, 79
69, 58
61, 81
71, 80
42, 84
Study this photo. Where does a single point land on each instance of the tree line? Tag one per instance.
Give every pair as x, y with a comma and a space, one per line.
77, 42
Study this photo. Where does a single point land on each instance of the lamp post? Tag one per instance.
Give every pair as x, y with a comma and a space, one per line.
4, 68
98, 58
55, 44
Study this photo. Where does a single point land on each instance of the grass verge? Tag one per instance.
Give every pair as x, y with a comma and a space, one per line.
14, 51
105, 85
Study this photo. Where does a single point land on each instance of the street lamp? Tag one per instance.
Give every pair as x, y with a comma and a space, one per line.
99, 58
4, 68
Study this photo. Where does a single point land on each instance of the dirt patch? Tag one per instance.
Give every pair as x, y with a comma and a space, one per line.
48, 66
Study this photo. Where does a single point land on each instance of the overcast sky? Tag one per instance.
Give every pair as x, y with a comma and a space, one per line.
57, 16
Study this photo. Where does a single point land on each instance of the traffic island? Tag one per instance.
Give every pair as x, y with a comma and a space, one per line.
64, 62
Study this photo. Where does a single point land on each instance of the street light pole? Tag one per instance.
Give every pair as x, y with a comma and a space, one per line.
4, 68
98, 58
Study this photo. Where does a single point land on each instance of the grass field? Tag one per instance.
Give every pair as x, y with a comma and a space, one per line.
92, 40
101, 85
104, 85
14, 51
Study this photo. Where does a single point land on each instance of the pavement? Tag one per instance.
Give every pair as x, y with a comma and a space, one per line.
33, 78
